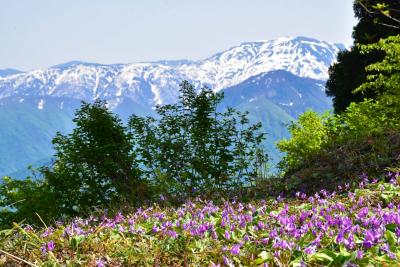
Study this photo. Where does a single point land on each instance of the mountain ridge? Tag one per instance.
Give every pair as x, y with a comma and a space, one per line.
298, 55
274, 80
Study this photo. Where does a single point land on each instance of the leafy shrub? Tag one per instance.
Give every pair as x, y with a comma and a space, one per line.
363, 138
343, 162
95, 164
308, 135
21, 199
194, 149
191, 149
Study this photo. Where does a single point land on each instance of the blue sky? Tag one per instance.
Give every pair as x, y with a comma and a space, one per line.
41, 33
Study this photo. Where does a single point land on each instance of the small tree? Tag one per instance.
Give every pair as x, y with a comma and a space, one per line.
194, 147
94, 164
368, 129
377, 19
308, 135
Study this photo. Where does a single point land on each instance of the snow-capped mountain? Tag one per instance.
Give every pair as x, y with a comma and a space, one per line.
157, 82
289, 92
8, 72
273, 80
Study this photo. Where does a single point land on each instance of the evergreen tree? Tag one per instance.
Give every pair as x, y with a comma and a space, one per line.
377, 19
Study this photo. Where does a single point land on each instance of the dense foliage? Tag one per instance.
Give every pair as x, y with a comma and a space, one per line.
190, 149
384, 76
307, 136
93, 167
377, 19
195, 148
95, 163
363, 138
360, 228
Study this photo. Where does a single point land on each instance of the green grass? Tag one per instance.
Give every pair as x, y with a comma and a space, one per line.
359, 228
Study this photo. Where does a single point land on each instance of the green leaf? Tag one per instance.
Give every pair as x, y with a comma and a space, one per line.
263, 257
297, 262
75, 242
322, 257
391, 227
392, 240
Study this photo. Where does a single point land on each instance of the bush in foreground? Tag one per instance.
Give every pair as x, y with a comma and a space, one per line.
357, 228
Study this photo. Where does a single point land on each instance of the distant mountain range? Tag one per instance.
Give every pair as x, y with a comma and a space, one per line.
8, 72
274, 80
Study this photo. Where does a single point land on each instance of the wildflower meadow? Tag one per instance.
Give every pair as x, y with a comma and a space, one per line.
359, 227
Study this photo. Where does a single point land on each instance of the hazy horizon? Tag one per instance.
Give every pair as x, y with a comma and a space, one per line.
39, 34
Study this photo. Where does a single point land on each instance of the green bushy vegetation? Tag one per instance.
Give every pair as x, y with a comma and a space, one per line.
157, 167
308, 135
377, 19
353, 228
191, 149
363, 134
363, 138
194, 148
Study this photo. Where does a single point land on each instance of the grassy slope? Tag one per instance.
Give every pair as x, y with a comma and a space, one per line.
355, 229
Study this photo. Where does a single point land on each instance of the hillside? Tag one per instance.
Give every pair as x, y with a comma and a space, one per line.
359, 228
294, 67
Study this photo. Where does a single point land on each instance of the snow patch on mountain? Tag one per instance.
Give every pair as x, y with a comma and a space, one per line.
158, 82
41, 104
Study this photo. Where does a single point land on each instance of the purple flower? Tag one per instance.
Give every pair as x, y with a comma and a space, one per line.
214, 234
363, 213
46, 247
398, 232
359, 254
51, 246
227, 235
235, 250
226, 261
47, 232
100, 263
369, 239
172, 233
277, 253
310, 250
43, 249
28, 228
119, 218
246, 237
